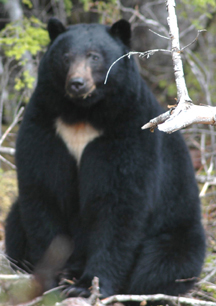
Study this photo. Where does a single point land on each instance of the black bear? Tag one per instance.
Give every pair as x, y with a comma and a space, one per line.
127, 198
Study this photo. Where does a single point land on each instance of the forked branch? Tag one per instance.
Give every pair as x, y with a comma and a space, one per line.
185, 113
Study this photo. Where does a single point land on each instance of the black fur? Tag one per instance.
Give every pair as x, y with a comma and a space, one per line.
131, 206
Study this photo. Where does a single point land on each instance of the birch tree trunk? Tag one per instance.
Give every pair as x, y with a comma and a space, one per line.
185, 113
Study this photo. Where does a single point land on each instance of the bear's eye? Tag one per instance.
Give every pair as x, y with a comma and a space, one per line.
66, 58
94, 56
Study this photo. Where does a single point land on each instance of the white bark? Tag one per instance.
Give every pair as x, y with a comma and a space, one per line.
14, 9
182, 116
188, 115
7, 150
15, 276
185, 113
182, 93
156, 297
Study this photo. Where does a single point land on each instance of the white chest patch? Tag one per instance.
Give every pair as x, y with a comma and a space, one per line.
76, 136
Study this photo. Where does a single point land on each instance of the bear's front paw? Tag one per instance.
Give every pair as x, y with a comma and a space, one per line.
75, 290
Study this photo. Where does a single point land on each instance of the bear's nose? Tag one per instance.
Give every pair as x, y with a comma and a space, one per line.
76, 84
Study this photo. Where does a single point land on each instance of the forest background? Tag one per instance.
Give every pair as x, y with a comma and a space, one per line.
24, 38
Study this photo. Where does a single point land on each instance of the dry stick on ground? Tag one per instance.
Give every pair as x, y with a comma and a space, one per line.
156, 298
95, 293
186, 112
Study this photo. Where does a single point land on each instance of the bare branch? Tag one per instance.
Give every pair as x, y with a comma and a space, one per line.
195, 39
185, 113
210, 179
210, 275
141, 54
192, 26
154, 298
15, 276
153, 123
7, 162
6, 150
15, 121
149, 22
182, 93
95, 292
162, 36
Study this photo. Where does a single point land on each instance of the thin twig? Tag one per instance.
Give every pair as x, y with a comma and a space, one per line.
95, 292
149, 22
162, 36
208, 277
186, 112
192, 26
15, 121
141, 54
195, 39
7, 162
210, 179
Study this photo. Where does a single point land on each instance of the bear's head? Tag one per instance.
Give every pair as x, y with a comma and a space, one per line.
79, 57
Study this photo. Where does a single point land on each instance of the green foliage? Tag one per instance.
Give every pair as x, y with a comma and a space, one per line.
209, 289
106, 9
17, 38
162, 84
86, 4
21, 36
200, 3
51, 299
101, 5
169, 86
193, 85
28, 3
26, 80
171, 90
210, 258
68, 7
192, 9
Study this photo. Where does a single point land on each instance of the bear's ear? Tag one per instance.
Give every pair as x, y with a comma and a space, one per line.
55, 27
122, 29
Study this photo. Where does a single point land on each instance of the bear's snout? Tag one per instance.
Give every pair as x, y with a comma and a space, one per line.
79, 81
79, 87
76, 86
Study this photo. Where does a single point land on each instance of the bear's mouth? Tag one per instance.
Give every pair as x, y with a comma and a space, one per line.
79, 89
88, 93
